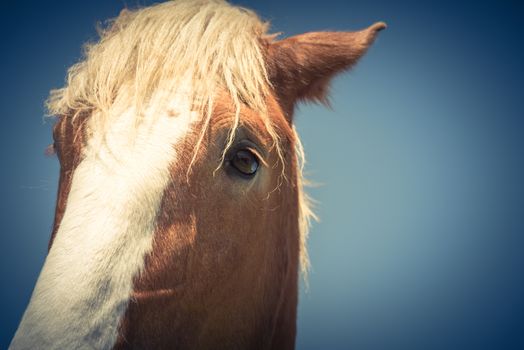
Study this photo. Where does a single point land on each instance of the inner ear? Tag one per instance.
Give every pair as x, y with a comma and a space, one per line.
301, 67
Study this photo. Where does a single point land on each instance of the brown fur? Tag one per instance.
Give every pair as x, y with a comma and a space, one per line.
206, 253
69, 136
301, 67
223, 273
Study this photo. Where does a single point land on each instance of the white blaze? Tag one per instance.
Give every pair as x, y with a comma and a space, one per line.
106, 231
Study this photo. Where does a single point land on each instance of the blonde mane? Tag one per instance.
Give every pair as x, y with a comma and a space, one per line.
214, 45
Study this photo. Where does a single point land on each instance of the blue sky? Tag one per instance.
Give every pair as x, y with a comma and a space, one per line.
420, 163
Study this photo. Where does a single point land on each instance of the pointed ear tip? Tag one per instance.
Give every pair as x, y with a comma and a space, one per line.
377, 27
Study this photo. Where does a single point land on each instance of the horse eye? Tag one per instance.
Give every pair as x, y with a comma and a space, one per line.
245, 161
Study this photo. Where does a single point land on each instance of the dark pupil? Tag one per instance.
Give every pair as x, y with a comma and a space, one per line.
245, 162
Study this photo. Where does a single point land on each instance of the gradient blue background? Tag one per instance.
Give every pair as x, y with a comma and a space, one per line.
421, 163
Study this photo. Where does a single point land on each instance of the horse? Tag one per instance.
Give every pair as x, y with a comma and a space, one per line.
181, 218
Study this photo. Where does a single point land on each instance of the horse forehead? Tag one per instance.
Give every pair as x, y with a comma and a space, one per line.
224, 113
131, 121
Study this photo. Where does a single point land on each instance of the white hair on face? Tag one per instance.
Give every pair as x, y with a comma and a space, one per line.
106, 232
210, 43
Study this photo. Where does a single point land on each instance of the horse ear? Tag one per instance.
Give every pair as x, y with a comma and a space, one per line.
300, 67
